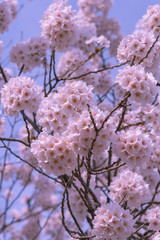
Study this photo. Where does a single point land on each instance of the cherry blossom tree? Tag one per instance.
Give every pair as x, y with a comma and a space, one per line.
80, 149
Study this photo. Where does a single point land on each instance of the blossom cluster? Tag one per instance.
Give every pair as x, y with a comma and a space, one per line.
54, 154
140, 84
72, 64
129, 186
29, 54
112, 222
133, 147
81, 132
74, 125
134, 47
151, 20
153, 217
7, 12
96, 13
156, 236
56, 109
87, 6
20, 93
59, 26
85, 32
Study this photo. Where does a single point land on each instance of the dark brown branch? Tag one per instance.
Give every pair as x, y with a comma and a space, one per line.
14, 140
3, 74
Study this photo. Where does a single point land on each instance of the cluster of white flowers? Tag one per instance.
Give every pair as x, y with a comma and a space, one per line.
100, 41
85, 31
129, 186
13, 5
151, 20
87, 7
81, 132
75, 125
135, 47
6, 16
133, 147
140, 84
97, 12
152, 115
20, 93
29, 54
133, 117
54, 154
56, 109
156, 236
110, 28
150, 176
112, 222
74, 61
7, 13
2, 124
59, 26
153, 217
